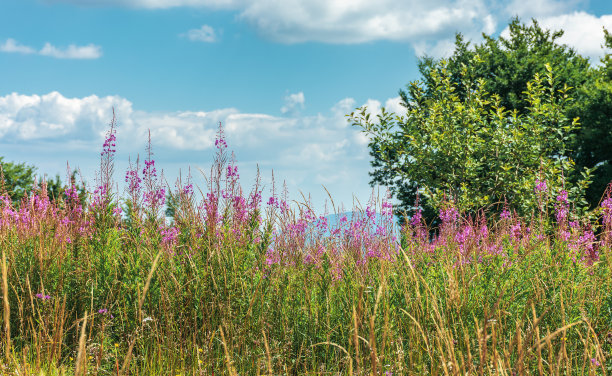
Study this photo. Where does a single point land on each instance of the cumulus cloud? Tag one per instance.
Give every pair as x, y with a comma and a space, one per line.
90, 51
428, 26
582, 31
11, 45
52, 116
203, 34
306, 151
341, 21
293, 103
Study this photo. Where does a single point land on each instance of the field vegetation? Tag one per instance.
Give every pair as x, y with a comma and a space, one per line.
510, 275
239, 283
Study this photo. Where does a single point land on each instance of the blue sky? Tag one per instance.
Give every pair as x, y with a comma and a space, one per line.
279, 74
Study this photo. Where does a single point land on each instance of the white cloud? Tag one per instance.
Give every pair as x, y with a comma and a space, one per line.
341, 21
90, 51
306, 151
11, 45
72, 51
55, 117
428, 26
203, 34
395, 105
582, 31
293, 103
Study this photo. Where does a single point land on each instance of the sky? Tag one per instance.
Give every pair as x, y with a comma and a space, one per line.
280, 75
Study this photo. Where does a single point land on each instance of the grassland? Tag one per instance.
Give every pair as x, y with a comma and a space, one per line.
240, 283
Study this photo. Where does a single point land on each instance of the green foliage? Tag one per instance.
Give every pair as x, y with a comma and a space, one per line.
470, 149
503, 67
593, 142
17, 179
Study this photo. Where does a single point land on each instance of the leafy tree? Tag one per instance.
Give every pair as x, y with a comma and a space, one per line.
503, 67
17, 179
469, 148
593, 142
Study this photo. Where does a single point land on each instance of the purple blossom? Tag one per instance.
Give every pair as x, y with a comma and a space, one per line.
272, 257
370, 212
449, 215
387, 209
42, 296
188, 190
169, 236
133, 180
272, 201
562, 207
562, 197
540, 186
232, 171
220, 143
516, 230
109, 144
416, 218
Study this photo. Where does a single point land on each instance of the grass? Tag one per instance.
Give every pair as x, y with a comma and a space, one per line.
234, 285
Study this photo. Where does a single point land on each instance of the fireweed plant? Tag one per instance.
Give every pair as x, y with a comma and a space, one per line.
239, 282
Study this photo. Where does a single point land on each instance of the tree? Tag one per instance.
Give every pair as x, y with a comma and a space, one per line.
593, 142
17, 179
503, 67
469, 148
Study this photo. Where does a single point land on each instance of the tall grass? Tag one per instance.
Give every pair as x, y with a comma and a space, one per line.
239, 284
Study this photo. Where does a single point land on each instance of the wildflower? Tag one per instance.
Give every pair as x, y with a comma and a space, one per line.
370, 212
42, 296
272, 202
562, 209
416, 218
387, 209
188, 190
169, 236
540, 186
595, 362
133, 180
103, 311
449, 215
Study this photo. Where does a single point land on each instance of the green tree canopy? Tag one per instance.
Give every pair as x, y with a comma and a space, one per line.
470, 149
17, 179
497, 75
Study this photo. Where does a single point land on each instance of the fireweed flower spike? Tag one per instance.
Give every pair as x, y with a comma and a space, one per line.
540, 186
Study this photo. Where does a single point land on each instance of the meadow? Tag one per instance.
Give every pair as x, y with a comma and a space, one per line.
246, 282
